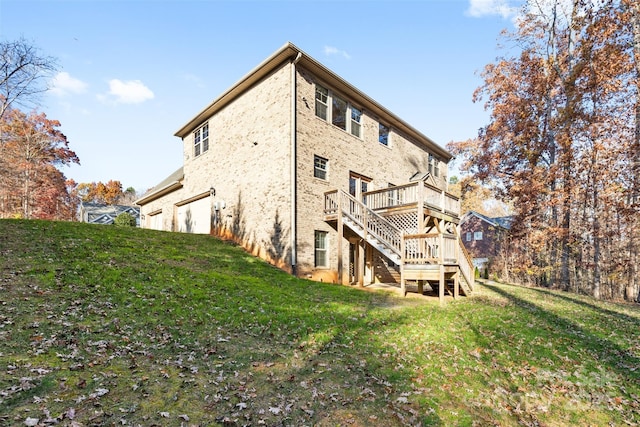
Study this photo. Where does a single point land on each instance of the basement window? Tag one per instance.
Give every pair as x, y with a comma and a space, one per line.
321, 246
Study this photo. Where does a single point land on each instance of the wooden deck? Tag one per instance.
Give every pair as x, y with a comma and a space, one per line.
414, 226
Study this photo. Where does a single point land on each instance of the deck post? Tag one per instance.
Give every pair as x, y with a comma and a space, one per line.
360, 262
403, 285
421, 287
441, 287
420, 207
456, 284
340, 238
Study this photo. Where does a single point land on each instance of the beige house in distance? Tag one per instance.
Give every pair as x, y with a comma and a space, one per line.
309, 173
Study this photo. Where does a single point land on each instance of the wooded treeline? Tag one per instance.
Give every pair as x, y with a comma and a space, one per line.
563, 146
32, 148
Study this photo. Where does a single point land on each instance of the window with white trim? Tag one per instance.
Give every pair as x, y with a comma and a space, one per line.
383, 134
322, 98
434, 165
341, 114
477, 235
468, 236
356, 121
201, 140
320, 167
321, 249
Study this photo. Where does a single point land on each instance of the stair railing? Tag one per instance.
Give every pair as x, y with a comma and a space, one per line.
339, 202
465, 264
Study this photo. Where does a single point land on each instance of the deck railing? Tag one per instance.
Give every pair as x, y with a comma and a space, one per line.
430, 248
412, 194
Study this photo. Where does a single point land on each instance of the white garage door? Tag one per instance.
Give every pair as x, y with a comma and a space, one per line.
195, 217
155, 221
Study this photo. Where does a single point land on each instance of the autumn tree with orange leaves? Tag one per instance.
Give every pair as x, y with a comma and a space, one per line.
109, 193
562, 145
31, 185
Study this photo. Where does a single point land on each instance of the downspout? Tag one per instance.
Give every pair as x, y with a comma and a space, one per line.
294, 168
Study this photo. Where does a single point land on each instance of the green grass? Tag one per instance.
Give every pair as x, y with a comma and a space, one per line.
106, 325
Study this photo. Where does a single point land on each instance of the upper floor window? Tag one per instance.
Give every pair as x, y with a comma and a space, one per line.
322, 97
201, 140
468, 236
434, 165
356, 121
477, 235
341, 114
320, 167
383, 134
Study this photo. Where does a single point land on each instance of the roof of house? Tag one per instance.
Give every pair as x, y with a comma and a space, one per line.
100, 213
499, 221
290, 52
167, 185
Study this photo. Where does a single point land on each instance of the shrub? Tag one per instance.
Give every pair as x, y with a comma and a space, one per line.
125, 219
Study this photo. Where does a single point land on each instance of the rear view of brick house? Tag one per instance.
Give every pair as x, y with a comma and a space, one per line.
309, 173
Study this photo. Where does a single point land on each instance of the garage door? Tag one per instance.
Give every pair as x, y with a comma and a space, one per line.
195, 217
155, 221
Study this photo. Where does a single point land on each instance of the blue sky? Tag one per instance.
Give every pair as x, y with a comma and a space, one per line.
131, 73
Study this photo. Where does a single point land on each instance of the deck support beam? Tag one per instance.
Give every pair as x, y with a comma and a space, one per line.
441, 287
339, 248
359, 261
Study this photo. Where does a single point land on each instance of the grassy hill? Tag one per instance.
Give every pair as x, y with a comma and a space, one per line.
101, 325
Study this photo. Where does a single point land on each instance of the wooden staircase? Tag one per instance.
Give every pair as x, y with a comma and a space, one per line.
436, 257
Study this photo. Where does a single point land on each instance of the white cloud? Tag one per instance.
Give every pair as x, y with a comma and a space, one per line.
63, 84
330, 50
129, 92
481, 8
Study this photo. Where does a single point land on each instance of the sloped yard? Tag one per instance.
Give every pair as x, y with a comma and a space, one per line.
101, 325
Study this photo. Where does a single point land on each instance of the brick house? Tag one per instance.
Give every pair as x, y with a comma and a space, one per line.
484, 237
311, 174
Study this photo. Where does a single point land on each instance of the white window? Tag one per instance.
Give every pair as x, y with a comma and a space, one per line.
322, 97
320, 167
434, 165
477, 235
201, 140
356, 121
383, 134
468, 236
321, 249
341, 114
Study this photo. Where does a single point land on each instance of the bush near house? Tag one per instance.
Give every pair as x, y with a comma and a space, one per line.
112, 326
125, 219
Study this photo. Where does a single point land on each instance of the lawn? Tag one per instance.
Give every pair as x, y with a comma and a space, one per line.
105, 325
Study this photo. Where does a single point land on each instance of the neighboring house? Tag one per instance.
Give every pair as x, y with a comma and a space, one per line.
484, 237
311, 174
99, 213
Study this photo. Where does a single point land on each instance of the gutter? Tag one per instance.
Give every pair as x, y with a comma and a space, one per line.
293, 167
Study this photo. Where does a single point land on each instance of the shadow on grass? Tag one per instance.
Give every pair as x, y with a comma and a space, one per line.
618, 359
575, 299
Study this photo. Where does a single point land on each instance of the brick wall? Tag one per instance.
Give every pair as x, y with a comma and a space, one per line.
346, 153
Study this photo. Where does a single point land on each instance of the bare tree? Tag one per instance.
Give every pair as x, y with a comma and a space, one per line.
23, 74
